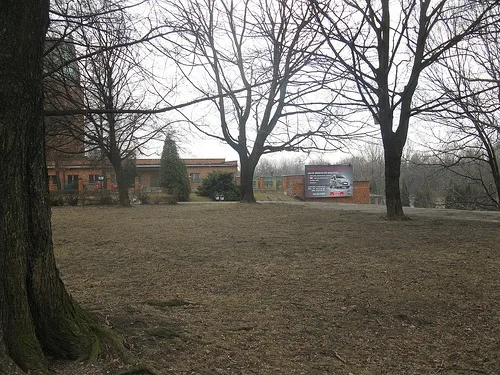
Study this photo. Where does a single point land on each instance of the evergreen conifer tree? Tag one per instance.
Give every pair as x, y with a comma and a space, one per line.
173, 172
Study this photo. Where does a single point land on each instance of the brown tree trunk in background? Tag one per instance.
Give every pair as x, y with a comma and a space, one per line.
393, 150
37, 315
123, 197
394, 204
247, 172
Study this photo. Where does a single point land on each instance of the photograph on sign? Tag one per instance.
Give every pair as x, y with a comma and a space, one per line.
326, 181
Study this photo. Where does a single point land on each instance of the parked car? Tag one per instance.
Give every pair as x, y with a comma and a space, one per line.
338, 181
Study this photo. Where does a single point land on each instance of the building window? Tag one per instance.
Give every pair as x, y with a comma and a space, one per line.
54, 179
93, 178
195, 177
72, 179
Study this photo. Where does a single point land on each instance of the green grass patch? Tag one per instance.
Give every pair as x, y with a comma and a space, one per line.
193, 197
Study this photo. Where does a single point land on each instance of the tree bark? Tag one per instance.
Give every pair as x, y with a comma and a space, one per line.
37, 315
247, 172
123, 198
392, 158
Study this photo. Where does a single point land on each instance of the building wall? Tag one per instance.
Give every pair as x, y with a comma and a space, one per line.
204, 171
82, 173
149, 172
62, 91
148, 179
293, 186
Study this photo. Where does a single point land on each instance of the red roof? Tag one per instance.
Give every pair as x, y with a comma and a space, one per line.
147, 162
190, 162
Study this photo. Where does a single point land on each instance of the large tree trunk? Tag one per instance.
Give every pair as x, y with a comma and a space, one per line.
392, 156
37, 315
247, 172
123, 197
495, 172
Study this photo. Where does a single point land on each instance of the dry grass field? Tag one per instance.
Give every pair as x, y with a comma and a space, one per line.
220, 288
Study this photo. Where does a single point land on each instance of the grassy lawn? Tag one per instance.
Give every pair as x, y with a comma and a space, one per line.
259, 196
284, 289
193, 197
272, 196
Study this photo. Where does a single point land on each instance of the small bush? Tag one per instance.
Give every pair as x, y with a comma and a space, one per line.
219, 183
171, 199
56, 199
72, 199
163, 198
107, 201
84, 197
64, 197
234, 195
158, 198
144, 198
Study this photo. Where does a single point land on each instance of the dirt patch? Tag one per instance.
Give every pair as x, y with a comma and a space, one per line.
285, 289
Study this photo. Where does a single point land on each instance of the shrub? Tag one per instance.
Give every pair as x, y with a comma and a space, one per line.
219, 183
72, 199
107, 200
171, 199
144, 198
234, 195
60, 198
158, 198
56, 199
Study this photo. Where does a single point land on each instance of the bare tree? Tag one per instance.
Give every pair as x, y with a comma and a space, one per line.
383, 47
265, 48
467, 88
104, 72
281, 167
38, 317
368, 166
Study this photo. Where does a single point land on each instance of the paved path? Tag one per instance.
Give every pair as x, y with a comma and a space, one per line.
441, 213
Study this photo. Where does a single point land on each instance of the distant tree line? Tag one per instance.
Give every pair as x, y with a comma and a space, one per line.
426, 181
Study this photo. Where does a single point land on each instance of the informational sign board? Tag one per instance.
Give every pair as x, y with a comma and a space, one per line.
325, 181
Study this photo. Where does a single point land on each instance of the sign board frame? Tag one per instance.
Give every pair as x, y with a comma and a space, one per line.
328, 181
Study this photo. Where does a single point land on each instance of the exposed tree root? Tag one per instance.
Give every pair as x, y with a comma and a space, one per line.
110, 343
107, 344
7, 365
